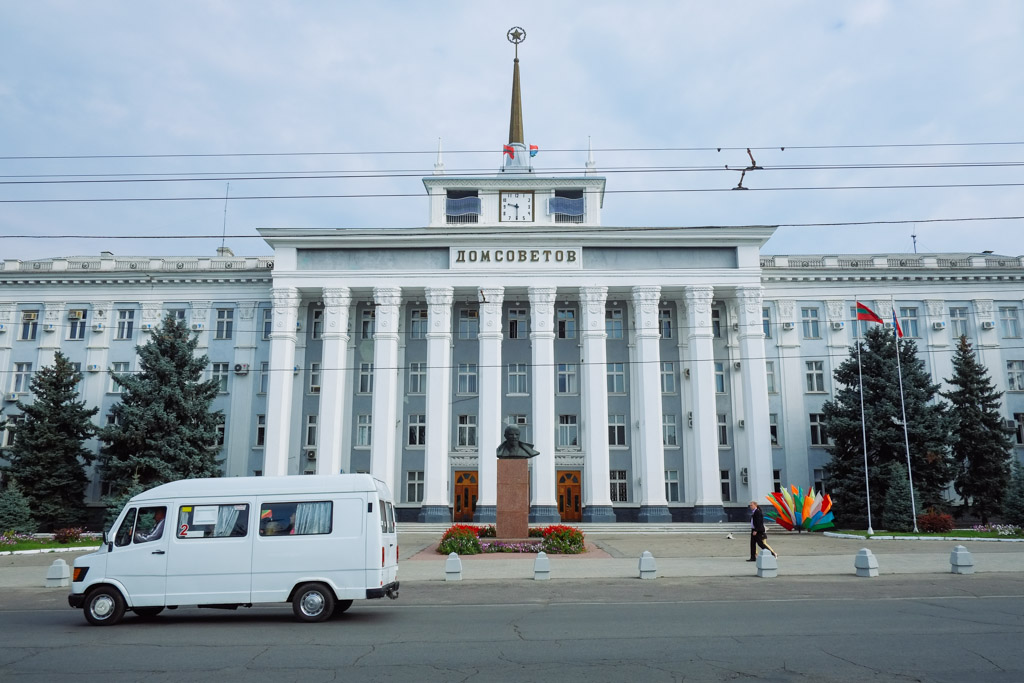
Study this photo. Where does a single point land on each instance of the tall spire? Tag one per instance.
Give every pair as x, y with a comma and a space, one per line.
515, 36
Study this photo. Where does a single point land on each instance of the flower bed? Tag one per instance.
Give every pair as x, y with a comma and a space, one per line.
557, 539
1001, 529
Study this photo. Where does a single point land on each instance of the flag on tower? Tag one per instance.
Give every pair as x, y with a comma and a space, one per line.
865, 313
896, 324
510, 151
533, 150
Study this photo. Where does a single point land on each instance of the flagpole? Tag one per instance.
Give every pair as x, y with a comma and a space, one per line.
903, 409
863, 425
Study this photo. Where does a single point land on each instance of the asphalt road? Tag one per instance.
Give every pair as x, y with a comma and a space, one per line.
935, 628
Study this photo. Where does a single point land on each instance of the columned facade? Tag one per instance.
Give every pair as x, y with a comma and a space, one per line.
385, 383
436, 495
282, 380
336, 379
543, 507
489, 430
647, 384
597, 504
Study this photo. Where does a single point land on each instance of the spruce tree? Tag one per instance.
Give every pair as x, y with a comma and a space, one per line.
14, 511
897, 512
928, 429
163, 428
48, 457
981, 444
1013, 503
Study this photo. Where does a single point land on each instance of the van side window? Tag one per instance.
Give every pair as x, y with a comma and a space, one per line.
213, 521
296, 519
124, 532
387, 518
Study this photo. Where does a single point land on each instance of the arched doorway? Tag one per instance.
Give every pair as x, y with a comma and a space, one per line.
465, 496
569, 489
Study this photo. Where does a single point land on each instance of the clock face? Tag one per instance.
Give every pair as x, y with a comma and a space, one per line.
516, 207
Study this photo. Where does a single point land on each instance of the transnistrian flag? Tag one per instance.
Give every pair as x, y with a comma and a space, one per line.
896, 324
510, 151
865, 313
533, 150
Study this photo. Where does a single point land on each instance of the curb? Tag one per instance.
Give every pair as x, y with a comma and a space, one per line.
971, 539
43, 551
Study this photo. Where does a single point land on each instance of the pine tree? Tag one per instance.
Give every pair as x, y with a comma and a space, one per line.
928, 429
14, 511
981, 444
1013, 503
163, 428
897, 512
48, 457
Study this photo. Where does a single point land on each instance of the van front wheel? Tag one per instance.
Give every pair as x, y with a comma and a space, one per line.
313, 602
104, 606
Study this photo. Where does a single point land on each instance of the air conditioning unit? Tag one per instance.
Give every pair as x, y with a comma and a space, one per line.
744, 476
315, 389
197, 326
298, 327
735, 327
97, 327
310, 455
241, 368
76, 315
737, 365
988, 325
93, 367
838, 324
147, 327
788, 326
49, 327
1010, 424
742, 424
11, 397
939, 325
29, 317
3, 328
689, 419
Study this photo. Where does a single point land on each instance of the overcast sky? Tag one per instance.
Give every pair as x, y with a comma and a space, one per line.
655, 85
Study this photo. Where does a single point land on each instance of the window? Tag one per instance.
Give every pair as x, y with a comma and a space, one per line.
77, 367
769, 370
669, 436
908, 321
1010, 322
125, 323
726, 479
517, 323
668, 377
616, 430
958, 321
314, 378
176, 313
219, 374
12, 421
860, 327
672, 486
296, 519
517, 378
366, 378
268, 322
264, 378
810, 317
418, 430
777, 481
1018, 418
716, 323
613, 323
467, 378
317, 331
261, 431
467, 431
414, 486
225, 323
22, 378
417, 378
76, 324
141, 526
113, 420
766, 322
364, 431
469, 323
819, 481
1015, 375
565, 376
619, 491
665, 322
773, 427
616, 378
213, 521
719, 378
368, 323
462, 206
418, 324
568, 432
115, 370
29, 325
815, 376
311, 430
818, 436
520, 422
568, 206
565, 319
723, 430
221, 433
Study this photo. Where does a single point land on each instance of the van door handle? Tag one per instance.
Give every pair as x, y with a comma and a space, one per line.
159, 552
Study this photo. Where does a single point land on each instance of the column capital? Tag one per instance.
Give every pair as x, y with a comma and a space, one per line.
387, 296
286, 303
750, 297
281, 296
439, 296
386, 314
491, 296
592, 299
699, 298
698, 310
542, 311
645, 311
337, 301
491, 300
335, 297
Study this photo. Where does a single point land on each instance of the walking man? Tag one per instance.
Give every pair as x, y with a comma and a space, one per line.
758, 535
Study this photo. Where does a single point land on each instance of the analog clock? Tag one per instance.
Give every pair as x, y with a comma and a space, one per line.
516, 207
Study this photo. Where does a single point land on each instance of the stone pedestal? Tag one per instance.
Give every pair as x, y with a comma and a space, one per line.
513, 498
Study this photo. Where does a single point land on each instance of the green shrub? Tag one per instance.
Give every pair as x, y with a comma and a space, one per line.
68, 535
14, 511
460, 539
563, 540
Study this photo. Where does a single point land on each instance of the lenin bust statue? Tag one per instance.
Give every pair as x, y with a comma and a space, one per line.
512, 447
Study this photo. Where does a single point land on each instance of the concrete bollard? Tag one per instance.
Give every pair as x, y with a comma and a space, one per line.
542, 567
960, 561
865, 563
648, 567
58, 575
453, 568
767, 565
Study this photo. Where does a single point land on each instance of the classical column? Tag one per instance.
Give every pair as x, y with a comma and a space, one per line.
702, 407
282, 381
333, 379
385, 385
646, 382
597, 501
755, 434
439, 406
544, 506
489, 427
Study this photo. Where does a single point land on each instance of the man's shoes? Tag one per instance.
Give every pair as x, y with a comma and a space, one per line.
752, 560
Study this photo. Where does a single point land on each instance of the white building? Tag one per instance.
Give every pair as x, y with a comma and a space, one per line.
662, 373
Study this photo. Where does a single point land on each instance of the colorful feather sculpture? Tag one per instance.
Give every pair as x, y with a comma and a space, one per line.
793, 509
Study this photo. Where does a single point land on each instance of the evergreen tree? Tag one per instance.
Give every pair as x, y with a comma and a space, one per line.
981, 444
1013, 503
163, 428
48, 457
928, 428
897, 512
14, 511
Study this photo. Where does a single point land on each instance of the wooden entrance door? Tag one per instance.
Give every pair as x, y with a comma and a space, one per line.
465, 496
569, 490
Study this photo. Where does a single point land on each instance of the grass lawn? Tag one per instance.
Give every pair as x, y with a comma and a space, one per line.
47, 544
959, 533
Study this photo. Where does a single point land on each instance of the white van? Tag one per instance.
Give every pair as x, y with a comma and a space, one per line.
319, 542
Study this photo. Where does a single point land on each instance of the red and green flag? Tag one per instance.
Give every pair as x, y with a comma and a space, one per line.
865, 313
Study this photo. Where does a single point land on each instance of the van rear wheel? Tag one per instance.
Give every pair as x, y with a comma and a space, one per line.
104, 606
313, 602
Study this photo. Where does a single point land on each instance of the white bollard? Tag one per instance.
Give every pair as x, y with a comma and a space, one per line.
542, 567
865, 563
767, 565
648, 567
58, 575
960, 561
453, 568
